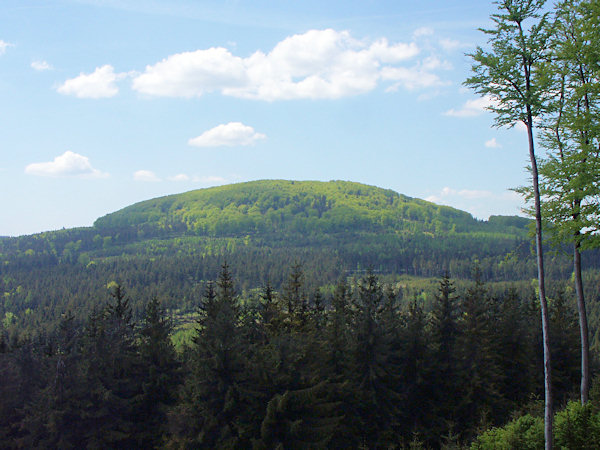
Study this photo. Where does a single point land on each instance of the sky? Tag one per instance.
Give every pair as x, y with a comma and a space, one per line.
104, 103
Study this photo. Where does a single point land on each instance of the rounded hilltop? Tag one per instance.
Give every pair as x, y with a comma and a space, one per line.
266, 206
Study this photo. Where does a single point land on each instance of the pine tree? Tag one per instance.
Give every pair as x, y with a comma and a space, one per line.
338, 332
112, 370
563, 325
211, 402
480, 373
293, 297
374, 376
515, 349
269, 312
444, 331
301, 419
413, 365
160, 377
52, 419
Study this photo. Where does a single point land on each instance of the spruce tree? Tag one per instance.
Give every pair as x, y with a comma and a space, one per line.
113, 373
211, 398
301, 419
413, 365
515, 351
445, 375
52, 418
563, 325
160, 377
375, 378
480, 374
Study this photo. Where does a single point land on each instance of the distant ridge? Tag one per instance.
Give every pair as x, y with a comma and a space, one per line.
262, 227
267, 206
170, 246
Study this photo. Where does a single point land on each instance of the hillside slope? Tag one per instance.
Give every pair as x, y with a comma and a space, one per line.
170, 247
269, 206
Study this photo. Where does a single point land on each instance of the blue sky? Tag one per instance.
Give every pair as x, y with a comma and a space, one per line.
104, 103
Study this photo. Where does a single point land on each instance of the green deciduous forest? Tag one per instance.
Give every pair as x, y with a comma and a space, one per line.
282, 314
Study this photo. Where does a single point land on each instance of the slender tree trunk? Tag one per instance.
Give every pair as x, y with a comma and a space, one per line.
548, 409
583, 325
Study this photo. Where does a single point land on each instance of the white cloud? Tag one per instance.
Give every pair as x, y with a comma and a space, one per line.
480, 203
40, 66
463, 193
471, 108
192, 74
69, 164
179, 177
145, 175
317, 64
3, 46
472, 193
410, 78
493, 143
423, 31
227, 135
419, 76
433, 63
521, 126
450, 44
211, 179
99, 84
429, 95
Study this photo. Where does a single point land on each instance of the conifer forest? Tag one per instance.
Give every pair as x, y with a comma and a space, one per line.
279, 314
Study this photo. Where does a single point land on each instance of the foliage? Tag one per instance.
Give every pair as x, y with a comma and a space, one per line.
570, 173
292, 206
576, 426
525, 432
291, 336
512, 77
50, 273
357, 365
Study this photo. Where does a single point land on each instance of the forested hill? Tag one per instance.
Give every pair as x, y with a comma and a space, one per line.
269, 206
265, 226
169, 247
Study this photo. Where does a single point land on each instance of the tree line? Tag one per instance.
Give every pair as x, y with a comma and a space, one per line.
362, 367
540, 69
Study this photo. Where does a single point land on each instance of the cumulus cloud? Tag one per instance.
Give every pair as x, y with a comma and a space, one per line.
210, 179
465, 193
471, 108
146, 175
419, 76
69, 164
317, 64
40, 66
423, 31
450, 44
99, 84
191, 74
480, 203
231, 134
521, 126
3, 46
493, 143
410, 78
179, 177
183, 177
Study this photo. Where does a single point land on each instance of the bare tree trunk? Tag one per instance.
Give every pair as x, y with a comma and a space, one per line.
548, 409
583, 325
